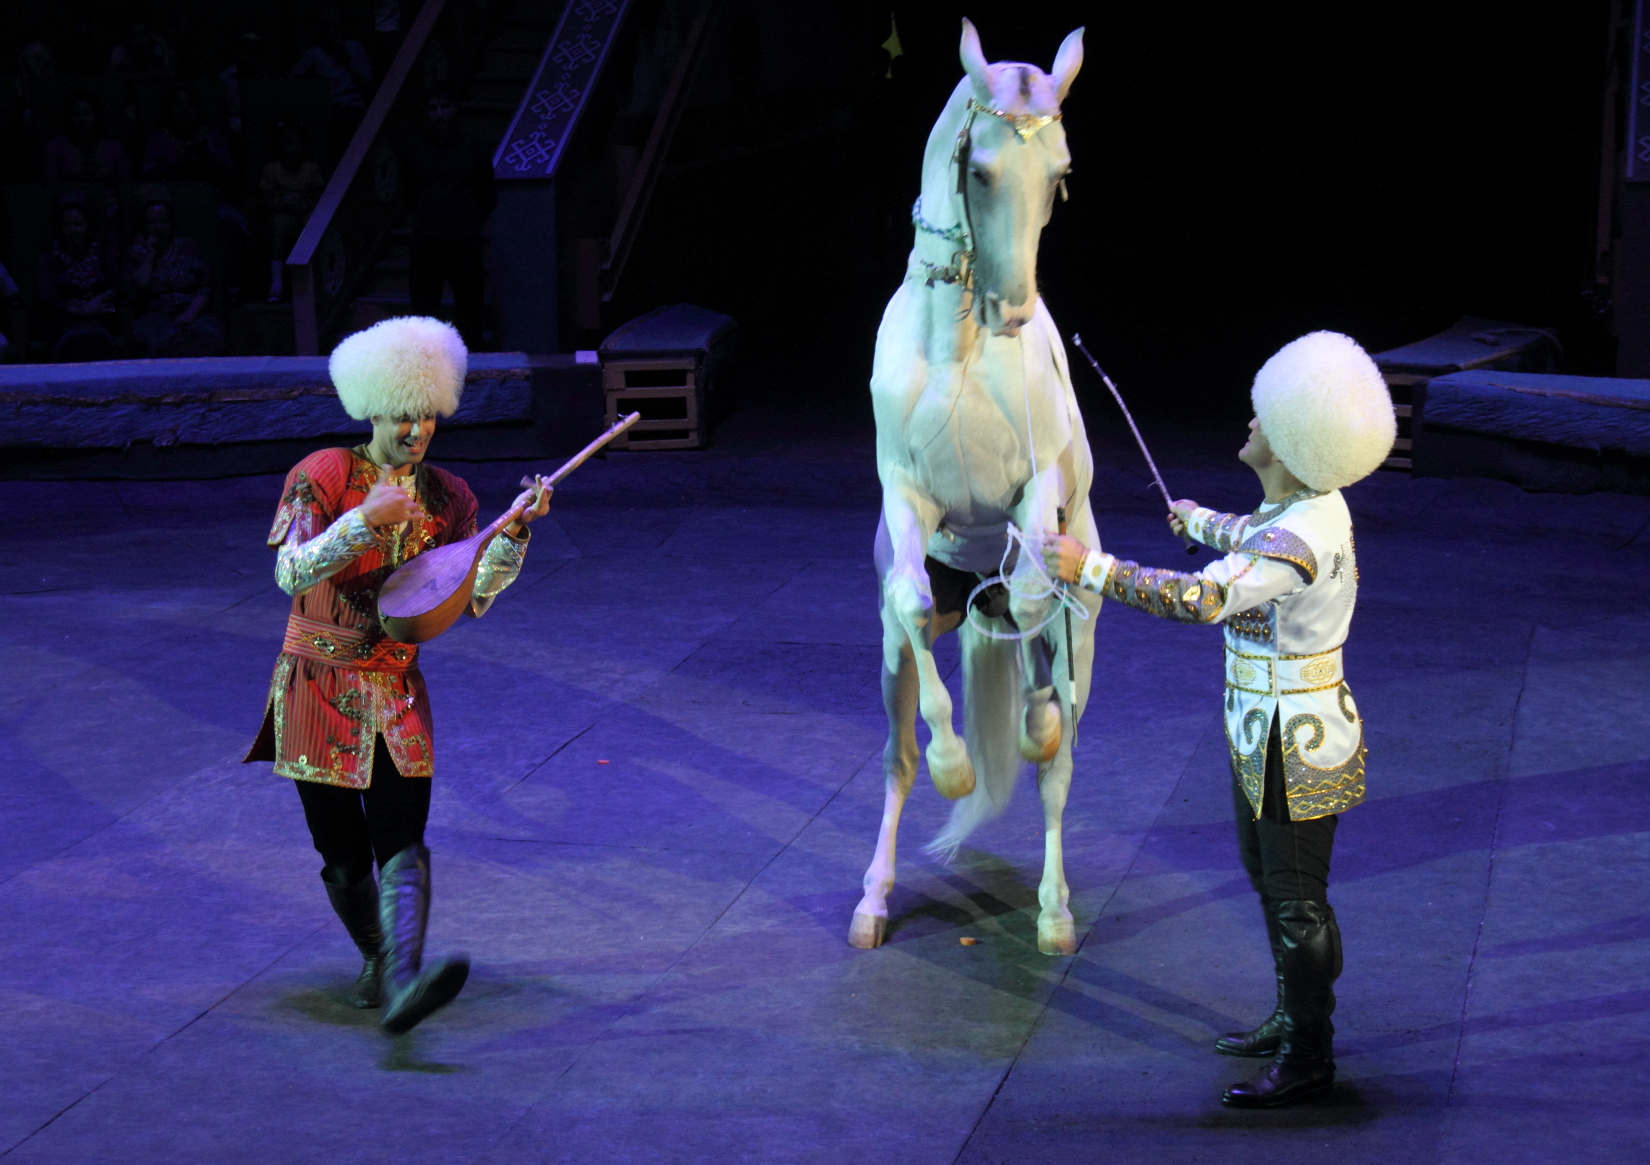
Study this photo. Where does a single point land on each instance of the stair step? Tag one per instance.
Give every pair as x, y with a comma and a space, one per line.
488, 130
497, 91
492, 94
522, 58
404, 300
526, 44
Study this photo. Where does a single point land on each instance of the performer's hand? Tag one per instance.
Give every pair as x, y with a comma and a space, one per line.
1063, 556
1181, 512
388, 504
539, 508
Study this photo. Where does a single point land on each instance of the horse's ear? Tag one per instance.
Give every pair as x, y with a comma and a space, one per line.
1067, 61
973, 61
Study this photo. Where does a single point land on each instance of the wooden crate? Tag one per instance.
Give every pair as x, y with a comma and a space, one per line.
1471, 342
1402, 387
670, 395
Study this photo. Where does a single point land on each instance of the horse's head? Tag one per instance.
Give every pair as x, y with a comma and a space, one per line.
1011, 157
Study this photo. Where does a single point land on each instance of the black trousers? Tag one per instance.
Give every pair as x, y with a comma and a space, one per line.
351, 827
435, 262
1284, 859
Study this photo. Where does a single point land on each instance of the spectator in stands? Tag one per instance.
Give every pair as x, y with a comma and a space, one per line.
450, 177
386, 32
172, 287
8, 298
34, 60
251, 59
144, 54
84, 154
87, 31
291, 186
343, 64
77, 290
184, 149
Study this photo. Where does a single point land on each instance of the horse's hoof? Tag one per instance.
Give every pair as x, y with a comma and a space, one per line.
1056, 936
1040, 734
867, 931
950, 769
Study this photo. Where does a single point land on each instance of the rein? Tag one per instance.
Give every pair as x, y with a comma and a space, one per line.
1028, 579
960, 270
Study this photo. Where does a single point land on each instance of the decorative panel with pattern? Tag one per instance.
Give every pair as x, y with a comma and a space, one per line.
1638, 108
538, 134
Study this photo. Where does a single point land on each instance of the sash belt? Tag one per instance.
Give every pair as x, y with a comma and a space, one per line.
1283, 675
346, 646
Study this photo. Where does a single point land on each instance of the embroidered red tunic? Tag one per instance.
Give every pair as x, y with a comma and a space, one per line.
340, 683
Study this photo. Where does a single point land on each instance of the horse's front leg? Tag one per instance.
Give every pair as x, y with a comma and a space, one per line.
1055, 933
1040, 730
908, 606
1073, 654
899, 770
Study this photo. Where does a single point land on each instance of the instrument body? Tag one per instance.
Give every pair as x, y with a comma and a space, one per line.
417, 605
428, 594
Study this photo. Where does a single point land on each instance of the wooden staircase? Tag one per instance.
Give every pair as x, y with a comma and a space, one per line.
488, 100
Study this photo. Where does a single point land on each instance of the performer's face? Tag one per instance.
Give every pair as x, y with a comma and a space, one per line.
1257, 451
403, 440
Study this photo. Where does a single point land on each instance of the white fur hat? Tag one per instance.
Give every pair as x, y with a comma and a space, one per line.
411, 366
1325, 410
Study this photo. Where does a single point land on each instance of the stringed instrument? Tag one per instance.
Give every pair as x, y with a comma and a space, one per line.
428, 594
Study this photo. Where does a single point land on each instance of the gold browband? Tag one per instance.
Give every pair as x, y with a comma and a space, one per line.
1025, 124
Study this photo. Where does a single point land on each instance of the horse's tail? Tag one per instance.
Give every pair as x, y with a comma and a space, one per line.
993, 705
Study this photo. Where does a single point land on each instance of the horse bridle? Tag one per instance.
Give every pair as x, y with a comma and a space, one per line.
961, 268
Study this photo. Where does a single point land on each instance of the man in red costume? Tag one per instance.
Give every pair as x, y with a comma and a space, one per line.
348, 716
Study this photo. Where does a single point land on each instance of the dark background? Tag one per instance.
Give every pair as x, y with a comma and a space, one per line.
1243, 174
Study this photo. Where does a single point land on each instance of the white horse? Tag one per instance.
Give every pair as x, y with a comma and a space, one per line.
977, 427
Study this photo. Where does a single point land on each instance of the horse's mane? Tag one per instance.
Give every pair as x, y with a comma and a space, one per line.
939, 179
939, 183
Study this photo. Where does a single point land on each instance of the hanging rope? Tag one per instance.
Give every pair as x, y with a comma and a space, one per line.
1029, 582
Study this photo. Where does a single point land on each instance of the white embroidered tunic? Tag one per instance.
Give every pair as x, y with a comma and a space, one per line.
1284, 592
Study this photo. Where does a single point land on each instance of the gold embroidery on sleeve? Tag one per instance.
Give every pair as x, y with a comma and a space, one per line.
1168, 594
1285, 547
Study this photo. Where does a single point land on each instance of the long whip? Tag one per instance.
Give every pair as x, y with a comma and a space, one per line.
1077, 342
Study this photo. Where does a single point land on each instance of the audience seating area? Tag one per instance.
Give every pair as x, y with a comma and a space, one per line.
235, 60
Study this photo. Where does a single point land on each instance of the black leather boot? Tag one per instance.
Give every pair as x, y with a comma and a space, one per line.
357, 908
1263, 1040
411, 990
1305, 1064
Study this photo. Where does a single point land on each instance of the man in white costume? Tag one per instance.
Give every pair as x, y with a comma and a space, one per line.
1284, 593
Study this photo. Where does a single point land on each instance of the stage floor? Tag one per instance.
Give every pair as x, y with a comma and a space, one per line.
660, 965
